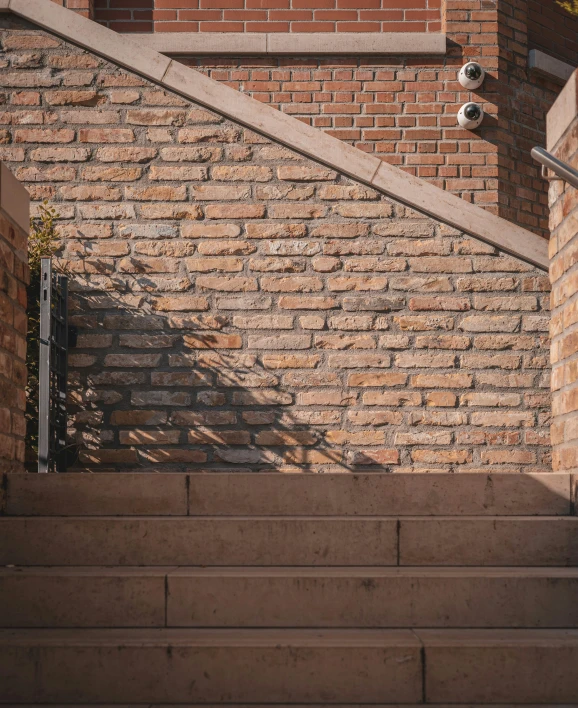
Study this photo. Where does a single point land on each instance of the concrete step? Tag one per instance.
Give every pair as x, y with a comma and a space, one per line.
290, 541
511, 667
289, 597
372, 597
203, 666
265, 494
154, 541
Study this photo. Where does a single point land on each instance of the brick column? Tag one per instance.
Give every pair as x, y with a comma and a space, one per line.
14, 217
562, 128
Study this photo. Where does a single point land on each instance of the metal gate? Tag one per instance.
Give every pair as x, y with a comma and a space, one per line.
53, 370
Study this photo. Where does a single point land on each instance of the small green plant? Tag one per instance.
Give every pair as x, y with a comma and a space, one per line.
570, 6
42, 243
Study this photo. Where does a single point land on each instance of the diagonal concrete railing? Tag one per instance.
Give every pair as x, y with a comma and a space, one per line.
286, 130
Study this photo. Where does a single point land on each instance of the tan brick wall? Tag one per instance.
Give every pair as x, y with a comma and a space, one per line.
13, 281
241, 306
564, 325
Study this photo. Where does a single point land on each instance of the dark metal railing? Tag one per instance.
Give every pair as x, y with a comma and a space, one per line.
52, 370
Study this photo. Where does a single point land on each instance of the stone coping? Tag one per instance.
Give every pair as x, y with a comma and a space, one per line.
549, 66
14, 199
284, 129
316, 43
563, 112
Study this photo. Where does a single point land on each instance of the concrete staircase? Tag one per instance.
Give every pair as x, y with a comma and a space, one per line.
158, 589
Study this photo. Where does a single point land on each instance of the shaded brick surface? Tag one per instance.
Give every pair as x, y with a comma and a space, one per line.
13, 324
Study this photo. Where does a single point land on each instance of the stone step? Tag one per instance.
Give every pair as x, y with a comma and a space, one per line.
289, 541
275, 494
289, 597
372, 597
289, 666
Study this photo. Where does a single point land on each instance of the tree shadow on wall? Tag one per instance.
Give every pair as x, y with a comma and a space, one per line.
177, 389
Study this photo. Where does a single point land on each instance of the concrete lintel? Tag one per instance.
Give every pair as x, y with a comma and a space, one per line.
14, 199
286, 130
563, 112
356, 43
549, 66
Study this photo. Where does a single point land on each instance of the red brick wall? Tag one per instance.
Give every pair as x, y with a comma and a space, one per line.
553, 30
83, 7
523, 100
125, 15
239, 306
297, 16
564, 325
13, 281
404, 108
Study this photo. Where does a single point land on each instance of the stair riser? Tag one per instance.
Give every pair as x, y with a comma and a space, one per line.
371, 602
89, 601
165, 674
263, 494
531, 541
500, 674
486, 673
224, 601
188, 541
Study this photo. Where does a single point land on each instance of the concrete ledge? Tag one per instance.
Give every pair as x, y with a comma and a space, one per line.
550, 67
563, 112
299, 43
286, 130
14, 199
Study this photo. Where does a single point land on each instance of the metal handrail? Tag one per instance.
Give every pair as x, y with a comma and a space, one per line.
563, 170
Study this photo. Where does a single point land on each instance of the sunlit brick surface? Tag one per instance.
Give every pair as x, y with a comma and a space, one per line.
564, 324
240, 306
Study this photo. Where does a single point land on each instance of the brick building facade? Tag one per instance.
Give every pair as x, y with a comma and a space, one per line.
240, 305
403, 107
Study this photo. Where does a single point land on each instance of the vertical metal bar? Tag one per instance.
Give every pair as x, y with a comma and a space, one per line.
62, 374
44, 351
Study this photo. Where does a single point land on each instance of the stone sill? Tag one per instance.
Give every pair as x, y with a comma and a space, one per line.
314, 43
550, 67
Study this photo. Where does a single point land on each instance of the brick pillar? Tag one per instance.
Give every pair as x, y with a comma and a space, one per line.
562, 129
14, 218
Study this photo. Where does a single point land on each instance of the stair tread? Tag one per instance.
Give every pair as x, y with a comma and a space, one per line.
214, 637
295, 571
287, 637
293, 517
